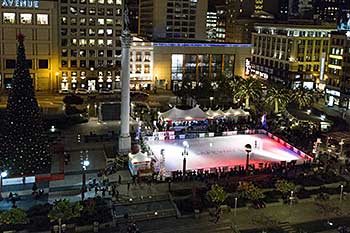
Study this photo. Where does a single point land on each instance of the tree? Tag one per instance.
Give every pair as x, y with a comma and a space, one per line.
14, 216
284, 187
302, 98
249, 89
250, 191
235, 84
278, 96
24, 144
217, 195
63, 211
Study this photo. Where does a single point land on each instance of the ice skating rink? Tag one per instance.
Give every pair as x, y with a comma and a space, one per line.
205, 153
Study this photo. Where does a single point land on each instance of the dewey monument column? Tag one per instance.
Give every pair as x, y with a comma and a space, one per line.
126, 39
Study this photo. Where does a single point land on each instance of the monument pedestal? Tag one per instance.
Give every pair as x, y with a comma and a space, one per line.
124, 144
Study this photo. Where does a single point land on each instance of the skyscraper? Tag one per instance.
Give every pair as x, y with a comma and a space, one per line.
173, 19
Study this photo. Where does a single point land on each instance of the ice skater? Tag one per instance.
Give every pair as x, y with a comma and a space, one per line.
256, 144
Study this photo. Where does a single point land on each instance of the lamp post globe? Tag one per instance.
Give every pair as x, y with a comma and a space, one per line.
248, 149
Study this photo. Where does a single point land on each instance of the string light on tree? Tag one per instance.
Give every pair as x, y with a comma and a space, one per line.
25, 149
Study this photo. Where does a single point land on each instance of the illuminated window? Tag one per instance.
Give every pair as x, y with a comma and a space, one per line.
100, 42
82, 42
109, 22
82, 53
109, 11
92, 21
118, 2
92, 1
64, 20
100, 21
9, 18
92, 11
26, 18
74, 41
109, 43
64, 52
91, 42
109, 32
82, 21
101, 53
110, 1
42, 19
91, 32
101, 1
100, 32
73, 10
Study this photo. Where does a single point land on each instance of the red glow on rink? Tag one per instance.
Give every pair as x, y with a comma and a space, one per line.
205, 153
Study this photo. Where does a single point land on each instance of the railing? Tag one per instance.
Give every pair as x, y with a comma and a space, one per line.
170, 135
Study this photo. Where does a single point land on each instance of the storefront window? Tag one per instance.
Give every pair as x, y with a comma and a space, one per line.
9, 18
26, 18
176, 66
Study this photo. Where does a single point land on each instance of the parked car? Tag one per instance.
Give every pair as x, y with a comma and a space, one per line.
105, 91
64, 92
81, 91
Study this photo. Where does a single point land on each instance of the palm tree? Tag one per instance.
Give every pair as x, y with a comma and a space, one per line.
302, 98
249, 89
235, 83
278, 96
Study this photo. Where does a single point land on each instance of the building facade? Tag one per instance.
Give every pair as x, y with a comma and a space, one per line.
89, 44
196, 61
337, 92
184, 19
37, 20
290, 54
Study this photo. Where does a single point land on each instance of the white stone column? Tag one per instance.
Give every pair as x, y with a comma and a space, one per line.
124, 138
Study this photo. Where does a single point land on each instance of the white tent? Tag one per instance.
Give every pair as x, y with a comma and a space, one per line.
215, 114
139, 162
176, 114
236, 112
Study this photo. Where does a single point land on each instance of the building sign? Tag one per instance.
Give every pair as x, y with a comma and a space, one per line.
20, 3
248, 67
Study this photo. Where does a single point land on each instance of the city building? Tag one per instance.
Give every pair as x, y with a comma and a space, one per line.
89, 44
197, 61
216, 20
186, 19
141, 64
337, 92
37, 20
165, 63
242, 14
133, 6
290, 53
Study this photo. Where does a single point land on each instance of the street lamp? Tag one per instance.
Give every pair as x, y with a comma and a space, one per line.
85, 163
248, 149
3, 174
184, 154
341, 192
211, 98
57, 82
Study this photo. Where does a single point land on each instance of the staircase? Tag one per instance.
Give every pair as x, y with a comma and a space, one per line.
286, 227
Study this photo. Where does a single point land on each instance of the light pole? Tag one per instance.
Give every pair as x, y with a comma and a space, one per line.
248, 149
184, 154
235, 211
2, 175
341, 192
57, 82
211, 98
341, 143
85, 163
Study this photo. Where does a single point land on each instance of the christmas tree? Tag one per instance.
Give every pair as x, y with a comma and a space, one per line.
25, 148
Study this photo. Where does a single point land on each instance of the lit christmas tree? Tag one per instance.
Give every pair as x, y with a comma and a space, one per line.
25, 148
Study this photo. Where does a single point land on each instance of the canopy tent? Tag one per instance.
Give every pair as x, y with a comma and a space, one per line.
139, 163
176, 114
236, 112
215, 114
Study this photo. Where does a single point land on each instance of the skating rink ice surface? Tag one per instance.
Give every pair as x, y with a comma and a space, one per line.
205, 153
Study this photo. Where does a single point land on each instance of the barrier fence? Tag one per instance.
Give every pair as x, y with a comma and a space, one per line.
170, 135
